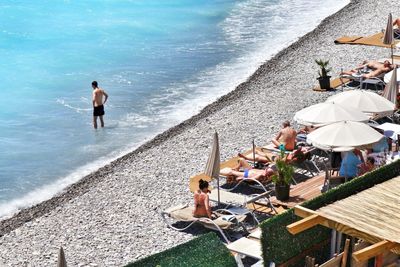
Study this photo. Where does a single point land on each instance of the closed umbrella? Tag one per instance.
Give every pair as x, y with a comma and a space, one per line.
368, 102
327, 113
388, 36
61, 259
344, 136
392, 88
213, 162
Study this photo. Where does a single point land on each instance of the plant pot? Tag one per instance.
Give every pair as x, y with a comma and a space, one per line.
282, 191
325, 82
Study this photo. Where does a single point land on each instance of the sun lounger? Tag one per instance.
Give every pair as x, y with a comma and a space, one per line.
256, 234
234, 199
373, 40
247, 247
184, 213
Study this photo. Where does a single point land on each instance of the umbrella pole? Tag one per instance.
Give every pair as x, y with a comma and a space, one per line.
218, 190
254, 154
391, 48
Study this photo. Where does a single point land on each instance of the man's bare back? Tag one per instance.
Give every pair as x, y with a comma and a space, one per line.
286, 136
98, 94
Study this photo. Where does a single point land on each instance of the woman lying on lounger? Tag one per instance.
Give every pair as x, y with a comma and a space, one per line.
202, 207
243, 170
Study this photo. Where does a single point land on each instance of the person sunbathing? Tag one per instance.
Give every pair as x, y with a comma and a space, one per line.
243, 170
285, 137
202, 207
298, 155
377, 69
302, 133
259, 156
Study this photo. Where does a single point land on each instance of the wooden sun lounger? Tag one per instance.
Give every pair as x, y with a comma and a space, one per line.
373, 40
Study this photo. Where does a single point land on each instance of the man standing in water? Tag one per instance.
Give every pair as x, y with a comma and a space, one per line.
98, 104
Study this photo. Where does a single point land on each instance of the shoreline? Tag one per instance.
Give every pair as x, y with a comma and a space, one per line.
195, 131
80, 187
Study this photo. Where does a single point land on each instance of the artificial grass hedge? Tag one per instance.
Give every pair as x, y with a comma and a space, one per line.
278, 245
206, 250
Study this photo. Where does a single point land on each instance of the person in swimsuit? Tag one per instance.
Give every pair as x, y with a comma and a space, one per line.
98, 104
377, 69
202, 207
259, 156
286, 136
243, 170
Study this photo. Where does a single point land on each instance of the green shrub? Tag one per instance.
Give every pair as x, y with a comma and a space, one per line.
278, 245
206, 250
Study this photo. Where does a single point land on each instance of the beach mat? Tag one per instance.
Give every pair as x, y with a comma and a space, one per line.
373, 40
335, 84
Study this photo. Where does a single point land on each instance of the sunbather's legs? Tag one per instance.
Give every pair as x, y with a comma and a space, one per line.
231, 172
257, 157
242, 164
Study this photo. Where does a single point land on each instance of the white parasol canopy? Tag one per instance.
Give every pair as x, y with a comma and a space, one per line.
344, 136
327, 113
368, 102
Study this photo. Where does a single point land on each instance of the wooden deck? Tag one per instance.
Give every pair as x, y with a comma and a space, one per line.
301, 192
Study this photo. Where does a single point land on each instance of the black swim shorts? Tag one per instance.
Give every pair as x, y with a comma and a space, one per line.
98, 111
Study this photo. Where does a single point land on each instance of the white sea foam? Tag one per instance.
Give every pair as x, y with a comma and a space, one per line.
46, 192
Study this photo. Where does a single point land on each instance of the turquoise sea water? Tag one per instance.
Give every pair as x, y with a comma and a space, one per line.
160, 62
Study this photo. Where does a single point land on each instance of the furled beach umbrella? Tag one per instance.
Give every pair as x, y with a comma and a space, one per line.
388, 35
343, 136
213, 162
368, 102
61, 259
254, 153
327, 113
392, 88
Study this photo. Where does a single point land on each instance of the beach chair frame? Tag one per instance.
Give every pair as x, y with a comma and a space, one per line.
204, 221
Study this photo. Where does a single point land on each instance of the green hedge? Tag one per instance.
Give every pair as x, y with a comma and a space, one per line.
206, 250
278, 245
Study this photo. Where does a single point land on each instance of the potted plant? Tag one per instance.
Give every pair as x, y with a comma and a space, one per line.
324, 78
283, 176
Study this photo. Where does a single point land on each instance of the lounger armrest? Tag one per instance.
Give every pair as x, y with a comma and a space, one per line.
257, 197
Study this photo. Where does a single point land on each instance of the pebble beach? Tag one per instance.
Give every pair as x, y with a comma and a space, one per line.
111, 217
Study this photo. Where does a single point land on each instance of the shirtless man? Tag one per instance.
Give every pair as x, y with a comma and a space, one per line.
396, 22
377, 69
286, 136
396, 31
98, 104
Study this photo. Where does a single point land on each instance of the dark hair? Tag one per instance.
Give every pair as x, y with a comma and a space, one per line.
371, 160
94, 83
203, 184
286, 123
